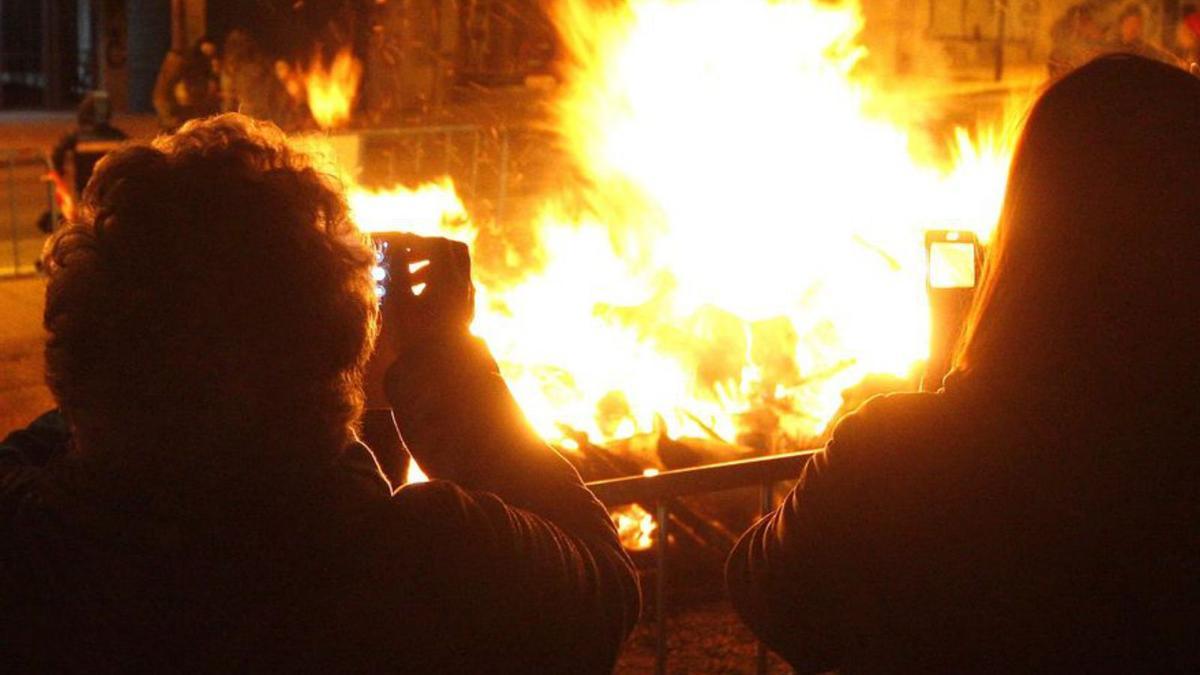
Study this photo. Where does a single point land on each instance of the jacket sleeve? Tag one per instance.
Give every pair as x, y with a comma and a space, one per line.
553, 550
783, 575
24, 452
43, 440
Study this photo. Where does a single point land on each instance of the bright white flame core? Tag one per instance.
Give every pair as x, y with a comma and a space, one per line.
753, 237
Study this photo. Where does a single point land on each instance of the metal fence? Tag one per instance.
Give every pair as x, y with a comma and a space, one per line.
661, 489
25, 198
494, 168
479, 160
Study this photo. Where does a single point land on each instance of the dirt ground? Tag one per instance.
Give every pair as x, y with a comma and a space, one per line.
702, 638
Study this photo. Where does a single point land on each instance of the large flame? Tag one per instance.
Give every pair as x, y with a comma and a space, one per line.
331, 91
746, 240
752, 237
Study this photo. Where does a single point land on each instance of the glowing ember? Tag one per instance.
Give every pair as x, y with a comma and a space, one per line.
636, 527
331, 92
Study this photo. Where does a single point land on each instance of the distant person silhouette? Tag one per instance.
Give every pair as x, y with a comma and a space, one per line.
94, 137
77, 152
1040, 513
188, 85
202, 502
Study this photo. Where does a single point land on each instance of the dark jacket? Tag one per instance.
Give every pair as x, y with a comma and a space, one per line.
504, 562
965, 531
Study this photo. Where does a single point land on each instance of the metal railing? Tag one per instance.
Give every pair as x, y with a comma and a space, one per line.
480, 159
24, 196
426, 149
660, 489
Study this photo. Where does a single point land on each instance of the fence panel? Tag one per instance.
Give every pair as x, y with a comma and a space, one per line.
25, 197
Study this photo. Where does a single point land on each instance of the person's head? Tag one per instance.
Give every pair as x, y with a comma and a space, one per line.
1131, 24
94, 110
1093, 279
211, 305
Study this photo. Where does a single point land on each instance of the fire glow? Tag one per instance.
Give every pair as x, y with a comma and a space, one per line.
331, 91
746, 241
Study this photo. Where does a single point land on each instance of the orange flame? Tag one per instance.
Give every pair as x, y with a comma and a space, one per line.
747, 236
636, 527
331, 92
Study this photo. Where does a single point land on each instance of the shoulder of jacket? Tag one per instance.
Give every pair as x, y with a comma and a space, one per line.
884, 422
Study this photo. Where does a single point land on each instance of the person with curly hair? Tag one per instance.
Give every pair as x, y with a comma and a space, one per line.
201, 500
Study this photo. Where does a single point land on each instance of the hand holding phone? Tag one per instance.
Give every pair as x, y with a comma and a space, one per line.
425, 293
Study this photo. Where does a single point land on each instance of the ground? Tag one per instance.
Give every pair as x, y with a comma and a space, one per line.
23, 392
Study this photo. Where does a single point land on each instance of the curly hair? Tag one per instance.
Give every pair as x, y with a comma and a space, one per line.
214, 295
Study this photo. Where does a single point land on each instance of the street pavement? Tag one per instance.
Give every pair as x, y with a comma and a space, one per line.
23, 393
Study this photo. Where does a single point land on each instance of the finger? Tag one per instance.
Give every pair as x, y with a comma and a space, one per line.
421, 276
461, 255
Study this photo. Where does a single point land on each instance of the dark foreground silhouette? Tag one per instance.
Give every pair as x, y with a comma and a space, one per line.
1041, 512
202, 502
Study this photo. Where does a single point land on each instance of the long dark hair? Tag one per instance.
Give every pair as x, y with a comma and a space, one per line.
1093, 282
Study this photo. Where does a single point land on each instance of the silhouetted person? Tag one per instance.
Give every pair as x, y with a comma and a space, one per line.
1040, 512
76, 153
202, 503
188, 85
94, 137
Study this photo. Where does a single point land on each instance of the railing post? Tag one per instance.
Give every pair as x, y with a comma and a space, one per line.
766, 502
12, 211
475, 163
448, 152
660, 590
503, 187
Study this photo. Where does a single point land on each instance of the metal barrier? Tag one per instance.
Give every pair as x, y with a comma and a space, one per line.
24, 196
419, 145
660, 489
481, 160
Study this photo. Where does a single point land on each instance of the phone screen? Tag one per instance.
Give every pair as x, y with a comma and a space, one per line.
380, 272
951, 264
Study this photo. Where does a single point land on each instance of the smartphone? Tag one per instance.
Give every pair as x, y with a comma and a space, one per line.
952, 259
389, 252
